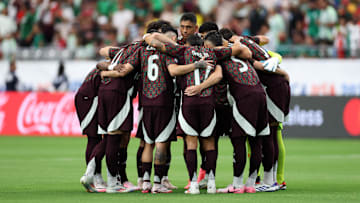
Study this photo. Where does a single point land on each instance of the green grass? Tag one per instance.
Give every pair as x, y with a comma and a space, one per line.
48, 169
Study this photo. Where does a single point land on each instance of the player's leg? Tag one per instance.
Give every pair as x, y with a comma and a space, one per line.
146, 159
160, 167
210, 163
112, 160
276, 155
191, 163
98, 154
139, 163
123, 158
255, 160
281, 160
165, 179
92, 141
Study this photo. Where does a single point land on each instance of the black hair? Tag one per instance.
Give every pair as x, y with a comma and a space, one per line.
168, 28
195, 40
226, 33
188, 16
156, 25
208, 26
214, 37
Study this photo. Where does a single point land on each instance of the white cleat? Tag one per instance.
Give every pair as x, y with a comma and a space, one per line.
130, 187
165, 182
159, 188
146, 187
211, 187
116, 189
265, 188
194, 189
99, 182
87, 182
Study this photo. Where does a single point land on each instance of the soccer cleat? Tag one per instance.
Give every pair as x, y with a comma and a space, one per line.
87, 182
117, 189
188, 185
203, 184
99, 182
265, 188
202, 174
159, 188
231, 189
258, 181
130, 187
146, 187
193, 189
249, 190
276, 186
282, 186
211, 187
168, 184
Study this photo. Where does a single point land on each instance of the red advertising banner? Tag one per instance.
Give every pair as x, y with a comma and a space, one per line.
33, 113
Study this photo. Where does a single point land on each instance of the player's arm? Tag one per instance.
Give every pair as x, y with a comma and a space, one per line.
177, 70
158, 41
213, 79
263, 39
260, 66
241, 51
105, 51
120, 70
102, 65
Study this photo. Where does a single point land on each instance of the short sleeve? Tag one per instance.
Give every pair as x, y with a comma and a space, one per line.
113, 51
170, 60
174, 50
222, 53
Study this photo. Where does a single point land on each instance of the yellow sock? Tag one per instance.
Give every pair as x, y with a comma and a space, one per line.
281, 159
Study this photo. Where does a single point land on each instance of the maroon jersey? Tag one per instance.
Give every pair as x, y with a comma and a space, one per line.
220, 90
91, 84
260, 54
121, 84
181, 40
191, 55
157, 86
239, 72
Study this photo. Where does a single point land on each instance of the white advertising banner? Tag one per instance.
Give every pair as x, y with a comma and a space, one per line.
308, 77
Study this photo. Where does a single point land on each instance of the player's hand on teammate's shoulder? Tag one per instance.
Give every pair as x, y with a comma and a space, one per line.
102, 65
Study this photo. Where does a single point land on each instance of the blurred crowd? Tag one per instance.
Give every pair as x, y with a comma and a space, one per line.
81, 27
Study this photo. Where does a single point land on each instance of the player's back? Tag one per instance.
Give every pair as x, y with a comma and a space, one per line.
240, 75
90, 85
157, 86
121, 84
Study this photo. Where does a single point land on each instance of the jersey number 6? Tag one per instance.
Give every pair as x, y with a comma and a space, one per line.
153, 68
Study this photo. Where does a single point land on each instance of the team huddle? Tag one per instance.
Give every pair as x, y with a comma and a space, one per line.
198, 86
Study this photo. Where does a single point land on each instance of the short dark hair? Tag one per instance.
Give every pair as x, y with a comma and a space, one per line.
156, 25
208, 26
188, 16
226, 33
168, 28
195, 40
214, 37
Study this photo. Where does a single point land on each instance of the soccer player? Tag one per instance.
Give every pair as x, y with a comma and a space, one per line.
278, 99
197, 114
222, 107
249, 116
158, 113
115, 117
86, 104
188, 26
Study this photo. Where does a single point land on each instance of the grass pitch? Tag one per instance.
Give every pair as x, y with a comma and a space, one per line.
48, 169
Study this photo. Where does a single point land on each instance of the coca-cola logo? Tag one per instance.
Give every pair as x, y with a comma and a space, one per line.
3, 100
37, 115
